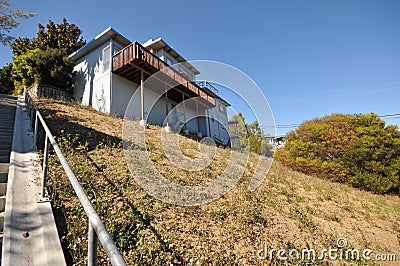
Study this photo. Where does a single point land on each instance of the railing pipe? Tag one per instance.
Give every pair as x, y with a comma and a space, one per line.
31, 117
35, 133
92, 246
45, 162
94, 220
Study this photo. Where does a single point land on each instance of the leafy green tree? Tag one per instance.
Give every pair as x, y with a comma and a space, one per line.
44, 59
21, 45
49, 67
54, 68
64, 36
8, 21
255, 137
24, 72
241, 131
250, 136
355, 149
6, 80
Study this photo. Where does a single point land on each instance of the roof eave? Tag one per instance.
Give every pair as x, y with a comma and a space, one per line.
179, 57
95, 42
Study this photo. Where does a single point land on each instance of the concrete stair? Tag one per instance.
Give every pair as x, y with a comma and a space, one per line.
7, 117
30, 234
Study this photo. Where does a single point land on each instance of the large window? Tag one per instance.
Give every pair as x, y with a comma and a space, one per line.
106, 59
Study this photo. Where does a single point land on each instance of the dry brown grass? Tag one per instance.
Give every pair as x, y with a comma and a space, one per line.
289, 210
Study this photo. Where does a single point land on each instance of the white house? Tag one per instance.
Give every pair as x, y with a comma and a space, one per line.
110, 68
276, 141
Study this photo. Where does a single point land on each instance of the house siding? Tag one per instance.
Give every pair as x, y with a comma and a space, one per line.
92, 82
217, 123
121, 93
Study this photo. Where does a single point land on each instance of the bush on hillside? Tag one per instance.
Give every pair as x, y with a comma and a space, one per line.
356, 149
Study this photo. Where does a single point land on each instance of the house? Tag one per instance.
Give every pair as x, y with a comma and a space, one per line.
110, 68
276, 141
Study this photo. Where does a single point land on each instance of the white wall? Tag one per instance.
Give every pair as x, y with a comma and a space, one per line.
92, 84
218, 122
150, 97
121, 92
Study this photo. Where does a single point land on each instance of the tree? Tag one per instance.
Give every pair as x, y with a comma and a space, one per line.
50, 67
24, 68
64, 36
355, 149
21, 45
54, 68
241, 131
251, 136
8, 21
44, 59
6, 81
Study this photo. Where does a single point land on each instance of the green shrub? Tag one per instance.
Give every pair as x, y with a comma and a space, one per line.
356, 149
6, 80
50, 67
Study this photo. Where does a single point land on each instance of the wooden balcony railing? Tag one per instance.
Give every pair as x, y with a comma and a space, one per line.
141, 59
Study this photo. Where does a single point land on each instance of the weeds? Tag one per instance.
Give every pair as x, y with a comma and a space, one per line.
289, 208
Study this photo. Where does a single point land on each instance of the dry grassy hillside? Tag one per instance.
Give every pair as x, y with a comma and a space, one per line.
289, 210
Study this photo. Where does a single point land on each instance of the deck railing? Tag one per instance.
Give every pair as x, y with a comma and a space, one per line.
207, 85
135, 52
97, 230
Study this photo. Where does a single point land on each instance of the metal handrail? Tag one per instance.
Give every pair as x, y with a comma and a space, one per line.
207, 85
96, 230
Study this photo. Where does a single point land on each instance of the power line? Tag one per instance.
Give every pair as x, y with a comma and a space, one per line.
283, 126
389, 115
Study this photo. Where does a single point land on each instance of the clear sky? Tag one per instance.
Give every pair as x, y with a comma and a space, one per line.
310, 57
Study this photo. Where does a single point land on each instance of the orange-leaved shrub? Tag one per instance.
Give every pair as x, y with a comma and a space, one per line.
356, 149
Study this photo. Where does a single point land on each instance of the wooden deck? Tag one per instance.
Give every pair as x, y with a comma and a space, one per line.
133, 59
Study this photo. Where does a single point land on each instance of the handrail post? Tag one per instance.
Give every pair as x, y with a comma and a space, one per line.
25, 97
28, 107
31, 117
92, 246
44, 176
35, 133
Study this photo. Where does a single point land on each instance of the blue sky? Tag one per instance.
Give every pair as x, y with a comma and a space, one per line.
310, 57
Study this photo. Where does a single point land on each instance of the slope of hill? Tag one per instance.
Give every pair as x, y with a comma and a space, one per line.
288, 211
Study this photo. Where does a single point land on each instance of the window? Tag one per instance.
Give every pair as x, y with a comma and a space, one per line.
222, 108
168, 60
106, 59
116, 49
